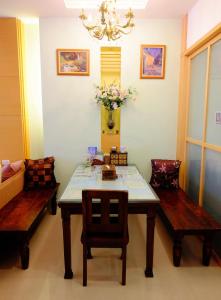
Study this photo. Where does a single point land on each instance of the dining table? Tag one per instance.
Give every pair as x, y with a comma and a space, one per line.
141, 200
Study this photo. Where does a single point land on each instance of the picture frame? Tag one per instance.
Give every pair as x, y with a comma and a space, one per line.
152, 61
74, 62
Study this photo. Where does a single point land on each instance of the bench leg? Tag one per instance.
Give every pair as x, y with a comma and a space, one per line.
24, 253
207, 248
53, 205
177, 249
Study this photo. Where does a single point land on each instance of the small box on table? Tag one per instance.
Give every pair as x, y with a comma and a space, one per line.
118, 158
109, 172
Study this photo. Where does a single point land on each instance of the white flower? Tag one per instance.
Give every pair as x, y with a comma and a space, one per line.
112, 96
115, 106
98, 93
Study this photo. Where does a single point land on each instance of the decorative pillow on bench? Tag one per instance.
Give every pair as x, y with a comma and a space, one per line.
39, 173
165, 173
11, 169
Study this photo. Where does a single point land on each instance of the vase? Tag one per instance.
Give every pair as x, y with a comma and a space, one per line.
110, 122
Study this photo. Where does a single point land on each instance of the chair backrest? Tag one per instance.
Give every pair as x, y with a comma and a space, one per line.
105, 211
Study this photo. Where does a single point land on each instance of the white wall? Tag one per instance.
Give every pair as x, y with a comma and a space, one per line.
205, 15
149, 125
72, 119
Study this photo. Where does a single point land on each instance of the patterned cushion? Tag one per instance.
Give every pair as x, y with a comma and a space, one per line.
39, 173
165, 173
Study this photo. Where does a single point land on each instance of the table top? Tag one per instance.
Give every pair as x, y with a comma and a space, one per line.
129, 179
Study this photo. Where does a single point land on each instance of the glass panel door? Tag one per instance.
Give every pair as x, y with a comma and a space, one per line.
203, 137
193, 171
197, 95
212, 186
212, 190
214, 100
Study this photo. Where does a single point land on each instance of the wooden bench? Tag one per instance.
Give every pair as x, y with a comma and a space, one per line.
21, 215
184, 217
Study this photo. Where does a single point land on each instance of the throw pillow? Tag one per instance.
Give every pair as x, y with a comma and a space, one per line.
39, 173
16, 166
7, 172
165, 173
10, 169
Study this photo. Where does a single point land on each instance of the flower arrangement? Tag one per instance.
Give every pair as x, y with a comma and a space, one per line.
112, 97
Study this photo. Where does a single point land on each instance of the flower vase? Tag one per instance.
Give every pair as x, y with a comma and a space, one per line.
110, 122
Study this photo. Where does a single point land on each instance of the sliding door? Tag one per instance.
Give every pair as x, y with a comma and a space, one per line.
203, 129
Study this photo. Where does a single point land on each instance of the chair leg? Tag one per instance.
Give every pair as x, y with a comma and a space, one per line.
124, 260
84, 265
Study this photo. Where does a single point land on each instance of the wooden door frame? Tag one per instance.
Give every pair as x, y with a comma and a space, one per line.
183, 108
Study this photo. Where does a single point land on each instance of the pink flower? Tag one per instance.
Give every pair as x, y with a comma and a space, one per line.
174, 182
163, 168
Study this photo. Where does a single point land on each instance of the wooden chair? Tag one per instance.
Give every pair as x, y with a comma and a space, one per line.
104, 224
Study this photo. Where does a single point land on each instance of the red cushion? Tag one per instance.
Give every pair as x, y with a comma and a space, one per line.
165, 173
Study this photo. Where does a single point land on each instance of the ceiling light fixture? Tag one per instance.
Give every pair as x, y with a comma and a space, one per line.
108, 23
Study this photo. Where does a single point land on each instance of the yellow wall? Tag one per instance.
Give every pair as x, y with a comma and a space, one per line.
110, 73
33, 96
12, 126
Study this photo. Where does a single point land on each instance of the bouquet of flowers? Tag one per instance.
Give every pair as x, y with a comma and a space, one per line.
112, 97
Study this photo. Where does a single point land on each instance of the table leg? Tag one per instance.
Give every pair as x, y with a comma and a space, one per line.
89, 255
67, 243
150, 241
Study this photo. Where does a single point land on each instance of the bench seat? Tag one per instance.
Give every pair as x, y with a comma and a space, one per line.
184, 217
20, 216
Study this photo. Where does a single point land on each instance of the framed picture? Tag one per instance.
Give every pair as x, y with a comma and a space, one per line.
152, 61
73, 62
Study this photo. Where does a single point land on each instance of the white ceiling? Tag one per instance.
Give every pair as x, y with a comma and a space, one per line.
120, 4
56, 8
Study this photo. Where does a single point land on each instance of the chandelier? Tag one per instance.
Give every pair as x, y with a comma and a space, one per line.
108, 24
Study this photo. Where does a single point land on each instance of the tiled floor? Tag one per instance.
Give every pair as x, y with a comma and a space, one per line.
44, 278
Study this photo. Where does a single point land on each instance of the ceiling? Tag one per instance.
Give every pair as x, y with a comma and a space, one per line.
56, 8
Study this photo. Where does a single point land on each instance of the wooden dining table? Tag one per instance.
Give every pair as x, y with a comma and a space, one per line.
141, 200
